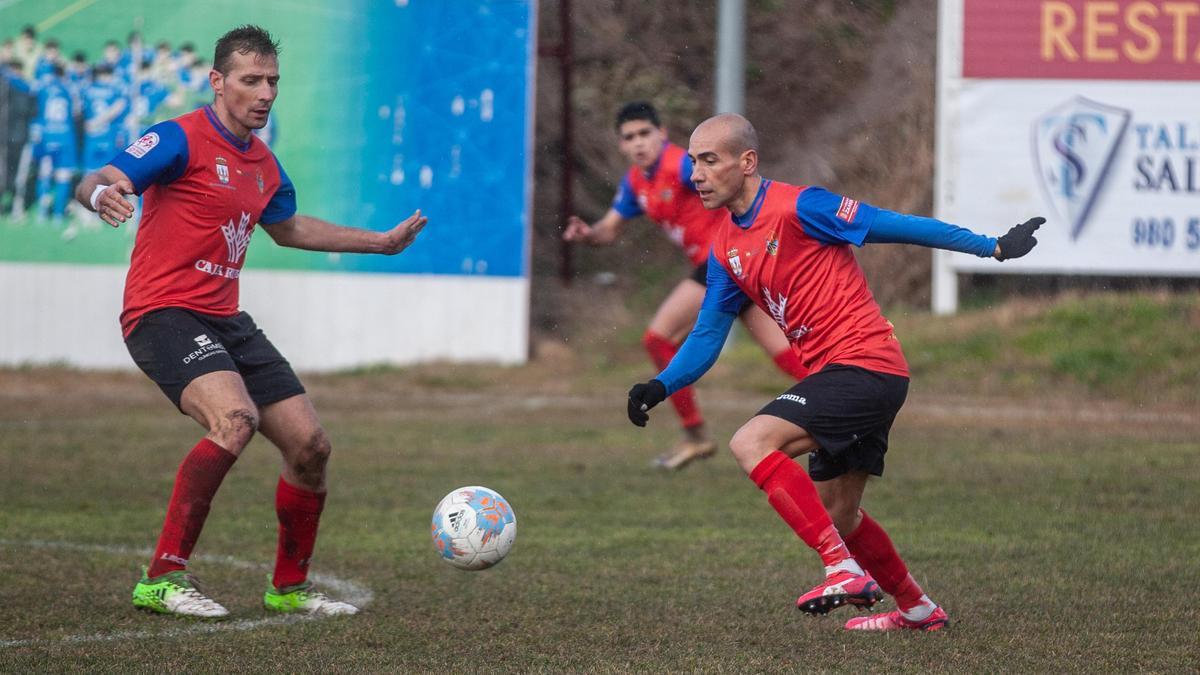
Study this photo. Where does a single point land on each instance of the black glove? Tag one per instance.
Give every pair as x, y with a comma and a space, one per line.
1019, 240
643, 397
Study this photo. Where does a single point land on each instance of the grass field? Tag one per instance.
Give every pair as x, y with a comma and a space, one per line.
1059, 532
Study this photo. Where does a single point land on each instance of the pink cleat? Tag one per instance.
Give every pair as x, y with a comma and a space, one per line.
842, 588
896, 621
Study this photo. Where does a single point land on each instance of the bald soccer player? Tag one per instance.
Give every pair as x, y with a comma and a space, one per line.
787, 248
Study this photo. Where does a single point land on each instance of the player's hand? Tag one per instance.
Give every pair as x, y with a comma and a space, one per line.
642, 398
1019, 240
402, 236
577, 229
111, 205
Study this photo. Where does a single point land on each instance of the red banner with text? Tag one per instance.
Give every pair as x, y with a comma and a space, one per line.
1082, 39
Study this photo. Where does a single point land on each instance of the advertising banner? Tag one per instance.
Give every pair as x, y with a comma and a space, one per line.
384, 107
1084, 111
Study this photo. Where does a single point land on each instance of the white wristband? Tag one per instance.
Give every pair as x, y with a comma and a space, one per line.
96, 195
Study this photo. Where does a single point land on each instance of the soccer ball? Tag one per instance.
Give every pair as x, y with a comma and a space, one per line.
473, 528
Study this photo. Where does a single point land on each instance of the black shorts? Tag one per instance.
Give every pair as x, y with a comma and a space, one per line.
700, 276
849, 411
174, 346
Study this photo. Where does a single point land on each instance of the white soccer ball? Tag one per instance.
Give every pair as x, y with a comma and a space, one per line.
473, 528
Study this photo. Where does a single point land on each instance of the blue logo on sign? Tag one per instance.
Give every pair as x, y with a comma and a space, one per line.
1073, 147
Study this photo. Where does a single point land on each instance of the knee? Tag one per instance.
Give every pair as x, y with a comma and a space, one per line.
234, 429
308, 465
749, 448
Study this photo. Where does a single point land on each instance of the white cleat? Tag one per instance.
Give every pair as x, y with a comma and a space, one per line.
304, 599
176, 593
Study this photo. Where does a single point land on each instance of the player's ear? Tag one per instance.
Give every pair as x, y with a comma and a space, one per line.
749, 161
214, 79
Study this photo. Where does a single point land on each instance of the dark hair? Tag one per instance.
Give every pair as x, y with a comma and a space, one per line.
79, 56
102, 69
246, 39
29, 31
53, 44
187, 47
638, 110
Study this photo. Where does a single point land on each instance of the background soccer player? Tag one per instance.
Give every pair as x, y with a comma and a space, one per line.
206, 181
787, 248
659, 185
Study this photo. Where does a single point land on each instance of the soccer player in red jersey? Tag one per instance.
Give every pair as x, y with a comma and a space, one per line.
659, 186
205, 181
787, 248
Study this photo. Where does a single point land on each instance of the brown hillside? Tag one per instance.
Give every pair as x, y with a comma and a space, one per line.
842, 94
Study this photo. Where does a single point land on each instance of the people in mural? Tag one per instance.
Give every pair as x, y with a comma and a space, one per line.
63, 115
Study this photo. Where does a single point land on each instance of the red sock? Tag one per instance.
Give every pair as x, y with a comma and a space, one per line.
199, 476
661, 352
299, 512
873, 549
789, 362
792, 493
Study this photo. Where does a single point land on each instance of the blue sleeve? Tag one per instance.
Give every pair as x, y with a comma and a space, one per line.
897, 228
699, 351
283, 203
625, 203
158, 157
723, 301
833, 219
685, 174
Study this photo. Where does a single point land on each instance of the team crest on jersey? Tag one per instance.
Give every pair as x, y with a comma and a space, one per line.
141, 146
735, 263
222, 170
258, 178
666, 195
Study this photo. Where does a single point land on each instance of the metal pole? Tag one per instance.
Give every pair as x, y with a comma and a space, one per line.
731, 56
566, 270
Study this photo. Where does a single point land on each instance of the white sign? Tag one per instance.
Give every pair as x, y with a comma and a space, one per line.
1042, 113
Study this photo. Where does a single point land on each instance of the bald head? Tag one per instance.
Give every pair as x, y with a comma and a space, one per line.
731, 132
724, 152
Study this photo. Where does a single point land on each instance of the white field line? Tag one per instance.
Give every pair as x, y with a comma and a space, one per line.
355, 594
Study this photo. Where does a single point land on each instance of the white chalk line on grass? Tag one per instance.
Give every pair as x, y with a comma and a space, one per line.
355, 594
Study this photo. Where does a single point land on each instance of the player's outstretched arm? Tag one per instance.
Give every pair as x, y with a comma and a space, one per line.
601, 233
888, 227
314, 234
103, 192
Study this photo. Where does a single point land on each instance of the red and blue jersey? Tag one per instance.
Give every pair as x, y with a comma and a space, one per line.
203, 190
665, 194
790, 254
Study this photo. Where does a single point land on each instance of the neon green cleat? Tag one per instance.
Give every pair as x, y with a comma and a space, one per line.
175, 593
303, 599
